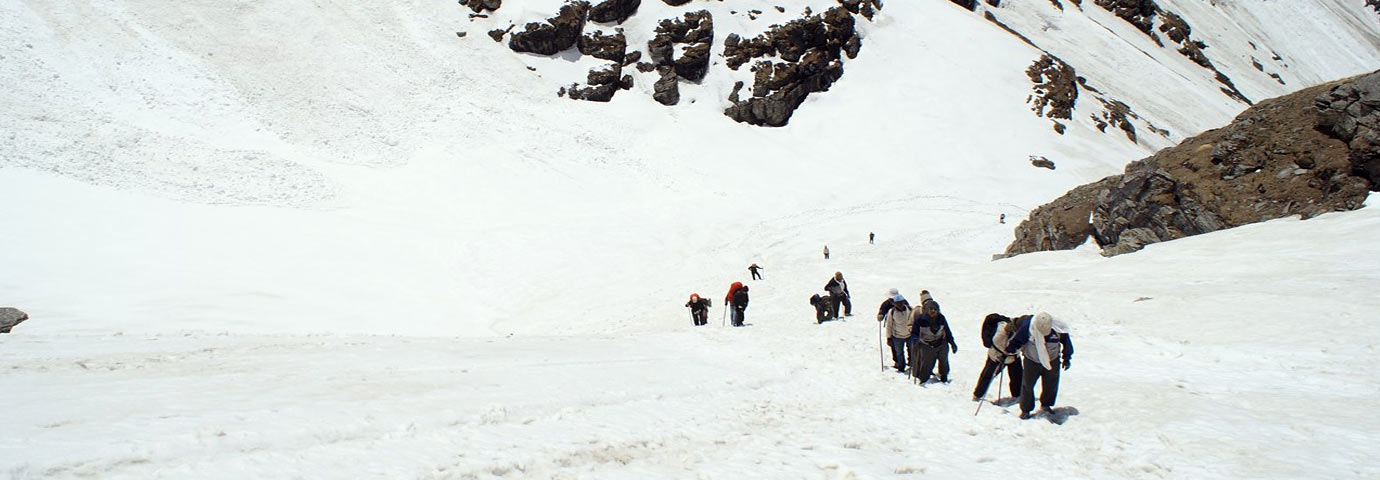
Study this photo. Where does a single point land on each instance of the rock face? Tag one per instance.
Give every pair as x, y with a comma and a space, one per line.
811, 50
556, 35
482, 5
613, 11
1056, 87
9, 317
696, 32
1307, 153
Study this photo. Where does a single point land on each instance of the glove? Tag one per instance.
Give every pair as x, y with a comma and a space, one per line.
1067, 363
955, 348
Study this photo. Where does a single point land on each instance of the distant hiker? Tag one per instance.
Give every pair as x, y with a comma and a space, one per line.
996, 331
1002, 219
754, 268
738, 302
699, 309
934, 341
886, 304
1045, 345
822, 310
838, 289
898, 332
871, 237
826, 252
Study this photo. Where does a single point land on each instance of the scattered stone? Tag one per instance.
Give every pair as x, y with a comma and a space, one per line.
460, 34
1042, 162
632, 57
970, 5
676, 3
558, 34
498, 33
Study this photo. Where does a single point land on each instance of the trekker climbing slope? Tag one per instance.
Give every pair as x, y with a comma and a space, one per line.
1045, 345
996, 331
699, 309
838, 289
934, 340
898, 331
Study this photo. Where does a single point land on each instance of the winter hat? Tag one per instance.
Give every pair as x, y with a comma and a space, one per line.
897, 298
694, 296
893, 292
1042, 323
925, 296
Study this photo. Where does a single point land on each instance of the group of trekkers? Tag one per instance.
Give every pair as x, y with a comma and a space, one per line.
1032, 348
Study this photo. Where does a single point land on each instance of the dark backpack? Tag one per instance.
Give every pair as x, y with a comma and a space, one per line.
990, 326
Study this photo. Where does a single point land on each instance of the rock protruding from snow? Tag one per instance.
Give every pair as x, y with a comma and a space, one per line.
667, 90
606, 47
613, 11
9, 317
1056, 87
696, 32
558, 34
603, 83
1293, 155
1351, 113
482, 5
812, 50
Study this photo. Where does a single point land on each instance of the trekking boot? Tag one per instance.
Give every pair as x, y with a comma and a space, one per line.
1026, 415
977, 398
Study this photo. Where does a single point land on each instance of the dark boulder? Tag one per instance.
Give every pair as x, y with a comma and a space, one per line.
482, 5
9, 317
811, 51
1351, 113
667, 90
696, 31
558, 34
613, 11
606, 47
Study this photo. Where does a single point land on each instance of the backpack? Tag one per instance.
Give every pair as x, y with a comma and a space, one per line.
990, 326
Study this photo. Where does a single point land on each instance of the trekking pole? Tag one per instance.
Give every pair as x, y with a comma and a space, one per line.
881, 355
1000, 376
723, 319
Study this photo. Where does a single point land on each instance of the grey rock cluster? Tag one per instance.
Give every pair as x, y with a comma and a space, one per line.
613, 11
811, 50
556, 35
1351, 113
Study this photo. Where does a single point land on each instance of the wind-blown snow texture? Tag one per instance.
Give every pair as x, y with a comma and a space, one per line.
336, 240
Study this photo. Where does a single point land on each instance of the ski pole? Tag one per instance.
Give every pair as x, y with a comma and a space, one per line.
723, 319
881, 355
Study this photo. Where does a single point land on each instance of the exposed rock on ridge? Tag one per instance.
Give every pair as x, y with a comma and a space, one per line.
1306, 153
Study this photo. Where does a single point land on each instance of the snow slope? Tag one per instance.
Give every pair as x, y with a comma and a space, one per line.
327, 240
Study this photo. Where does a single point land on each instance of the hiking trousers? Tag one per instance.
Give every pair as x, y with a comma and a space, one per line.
989, 372
930, 356
899, 353
1049, 384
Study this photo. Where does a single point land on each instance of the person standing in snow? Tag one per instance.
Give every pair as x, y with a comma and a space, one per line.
996, 331
934, 340
886, 304
738, 302
754, 268
898, 331
1045, 345
871, 237
699, 309
826, 252
838, 290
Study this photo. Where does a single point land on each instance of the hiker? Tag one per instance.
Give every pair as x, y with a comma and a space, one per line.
1044, 344
925, 297
826, 252
738, 302
871, 237
886, 304
754, 268
699, 309
996, 331
822, 311
934, 340
1002, 219
838, 289
898, 331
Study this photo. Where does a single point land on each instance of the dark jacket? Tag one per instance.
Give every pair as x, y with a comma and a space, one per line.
886, 307
1056, 343
936, 327
740, 299
837, 287
699, 305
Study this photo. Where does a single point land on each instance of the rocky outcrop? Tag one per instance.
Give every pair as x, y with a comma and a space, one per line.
666, 91
970, 5
613, 11
1302, 154
696, 32
602, 82
1056, 87
558, 34
606, 47
1138, 13
9, 317
482, 5
811, 50
1351, 113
